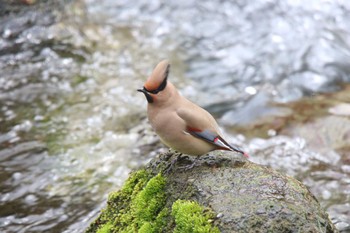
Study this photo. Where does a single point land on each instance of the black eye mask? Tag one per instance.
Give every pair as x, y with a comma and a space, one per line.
162, 85
160, 88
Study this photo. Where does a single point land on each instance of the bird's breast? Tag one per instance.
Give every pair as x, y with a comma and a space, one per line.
167, 124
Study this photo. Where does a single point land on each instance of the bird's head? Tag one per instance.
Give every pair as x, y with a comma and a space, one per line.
156, 82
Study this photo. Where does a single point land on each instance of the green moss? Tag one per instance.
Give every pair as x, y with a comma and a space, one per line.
191, 217
105, 228
131, 188
119, 202
140, 206
137, 207
149, 201
145, 207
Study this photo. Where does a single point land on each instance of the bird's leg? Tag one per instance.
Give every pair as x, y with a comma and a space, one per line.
180, 158
189, 166
173, 161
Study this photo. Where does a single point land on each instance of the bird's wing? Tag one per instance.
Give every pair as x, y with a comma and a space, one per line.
200, 124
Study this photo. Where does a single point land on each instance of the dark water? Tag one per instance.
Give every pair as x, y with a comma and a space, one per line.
72, 126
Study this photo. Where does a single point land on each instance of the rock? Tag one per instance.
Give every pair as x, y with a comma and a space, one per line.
211, 193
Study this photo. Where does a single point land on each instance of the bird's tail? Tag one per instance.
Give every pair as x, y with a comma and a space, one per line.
219, 141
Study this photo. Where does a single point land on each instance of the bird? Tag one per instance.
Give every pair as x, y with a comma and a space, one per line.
180, 124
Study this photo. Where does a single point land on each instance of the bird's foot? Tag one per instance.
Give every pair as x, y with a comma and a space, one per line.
188, 166
172, 163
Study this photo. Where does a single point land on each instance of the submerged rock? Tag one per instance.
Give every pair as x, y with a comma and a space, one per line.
211, 193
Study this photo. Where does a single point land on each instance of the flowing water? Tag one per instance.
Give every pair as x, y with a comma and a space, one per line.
72, 126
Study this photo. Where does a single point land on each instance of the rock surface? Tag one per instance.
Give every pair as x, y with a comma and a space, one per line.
242, 197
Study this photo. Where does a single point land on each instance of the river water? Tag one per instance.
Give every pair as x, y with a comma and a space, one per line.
72, 126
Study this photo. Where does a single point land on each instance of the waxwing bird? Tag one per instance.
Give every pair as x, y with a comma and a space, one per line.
180, 124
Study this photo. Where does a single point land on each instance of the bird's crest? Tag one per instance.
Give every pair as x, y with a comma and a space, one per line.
158, 79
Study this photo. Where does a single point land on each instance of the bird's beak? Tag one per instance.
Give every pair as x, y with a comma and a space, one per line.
147, 95
141, 90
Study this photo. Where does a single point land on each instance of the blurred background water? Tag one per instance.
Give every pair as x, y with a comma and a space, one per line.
72, 126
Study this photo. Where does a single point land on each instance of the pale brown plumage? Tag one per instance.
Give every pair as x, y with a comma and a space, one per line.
180, 124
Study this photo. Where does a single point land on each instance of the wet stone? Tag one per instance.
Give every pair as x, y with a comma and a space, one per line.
261, 199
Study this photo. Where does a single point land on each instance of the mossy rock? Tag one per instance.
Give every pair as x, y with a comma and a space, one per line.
211, 193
